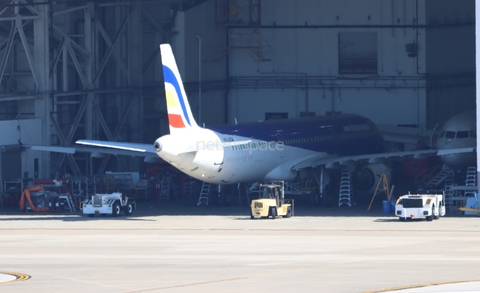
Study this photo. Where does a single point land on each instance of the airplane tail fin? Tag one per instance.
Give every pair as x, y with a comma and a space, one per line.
178, 109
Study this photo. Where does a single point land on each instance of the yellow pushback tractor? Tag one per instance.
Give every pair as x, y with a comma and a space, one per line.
271, 202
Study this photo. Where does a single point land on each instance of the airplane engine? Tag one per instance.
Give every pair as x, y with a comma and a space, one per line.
366, 179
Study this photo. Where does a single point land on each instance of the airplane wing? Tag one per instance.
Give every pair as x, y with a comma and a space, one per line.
331, 161
455, 151
99, 148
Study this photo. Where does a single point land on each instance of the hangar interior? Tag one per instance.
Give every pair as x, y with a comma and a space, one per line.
91, 69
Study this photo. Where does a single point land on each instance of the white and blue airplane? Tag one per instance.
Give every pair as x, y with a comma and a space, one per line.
276, 150
459, 132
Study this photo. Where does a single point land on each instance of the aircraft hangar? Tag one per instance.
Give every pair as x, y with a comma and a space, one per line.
72, 69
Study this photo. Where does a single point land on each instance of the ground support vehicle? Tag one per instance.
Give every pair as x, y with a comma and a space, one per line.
420, 206
271, 202
108, 204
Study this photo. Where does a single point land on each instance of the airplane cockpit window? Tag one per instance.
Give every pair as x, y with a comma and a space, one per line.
473, 134
463, 134
450, 134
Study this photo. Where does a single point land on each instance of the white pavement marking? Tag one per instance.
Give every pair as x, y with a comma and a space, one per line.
471, 287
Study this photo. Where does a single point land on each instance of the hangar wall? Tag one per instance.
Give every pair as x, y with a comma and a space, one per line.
304, 37
450, 56
289, 59
85, 69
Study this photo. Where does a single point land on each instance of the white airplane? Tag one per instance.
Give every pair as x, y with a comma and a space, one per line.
460, 131
273, 150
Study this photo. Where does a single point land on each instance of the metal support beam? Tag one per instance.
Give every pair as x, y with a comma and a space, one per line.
77, 71
111, 46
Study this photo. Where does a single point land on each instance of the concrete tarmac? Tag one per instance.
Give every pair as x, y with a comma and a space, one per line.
170, 248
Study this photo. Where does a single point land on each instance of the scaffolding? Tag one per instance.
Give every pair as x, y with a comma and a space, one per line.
81, 68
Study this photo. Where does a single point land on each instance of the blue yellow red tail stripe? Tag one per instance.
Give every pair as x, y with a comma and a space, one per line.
179, 112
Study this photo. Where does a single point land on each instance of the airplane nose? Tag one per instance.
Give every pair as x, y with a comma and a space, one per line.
157, 146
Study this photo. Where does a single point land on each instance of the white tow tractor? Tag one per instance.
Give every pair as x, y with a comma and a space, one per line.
109, 204
271, 202
420, 206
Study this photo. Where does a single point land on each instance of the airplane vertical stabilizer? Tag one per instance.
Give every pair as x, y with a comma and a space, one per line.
179, 112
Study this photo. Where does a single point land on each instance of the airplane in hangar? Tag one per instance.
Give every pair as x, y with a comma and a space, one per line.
458, 132
275, 150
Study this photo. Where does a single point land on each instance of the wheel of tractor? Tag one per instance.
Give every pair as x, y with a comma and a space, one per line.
273, 212
116, 209
437, 216
129, 209
289, 212
430, 218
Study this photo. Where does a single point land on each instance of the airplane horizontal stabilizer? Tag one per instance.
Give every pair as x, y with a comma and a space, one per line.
127, 146
99, 152
65, 150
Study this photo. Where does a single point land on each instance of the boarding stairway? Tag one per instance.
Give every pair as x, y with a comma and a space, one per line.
165, 188
204, 194
69, 201
457, 195
344, 197
470, 180
449, 192
445, 175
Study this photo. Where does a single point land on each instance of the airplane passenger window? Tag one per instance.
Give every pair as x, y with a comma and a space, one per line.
462, 134
450, 134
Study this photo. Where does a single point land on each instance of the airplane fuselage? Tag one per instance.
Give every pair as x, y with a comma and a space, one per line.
266, 151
